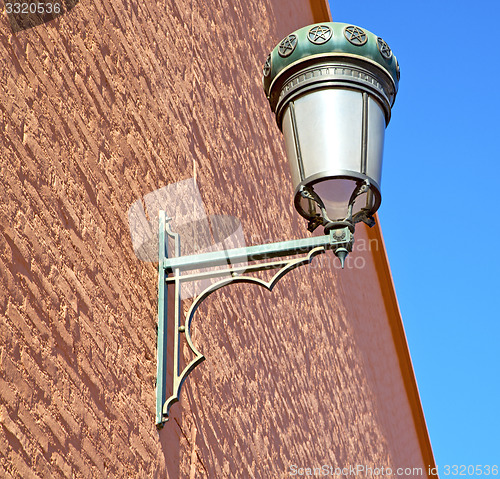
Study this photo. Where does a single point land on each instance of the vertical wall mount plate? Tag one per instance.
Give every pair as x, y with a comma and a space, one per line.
172, 273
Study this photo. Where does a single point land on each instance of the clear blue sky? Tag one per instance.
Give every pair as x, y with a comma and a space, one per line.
440, 190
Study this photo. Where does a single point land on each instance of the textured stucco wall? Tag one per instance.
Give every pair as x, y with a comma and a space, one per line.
98, 108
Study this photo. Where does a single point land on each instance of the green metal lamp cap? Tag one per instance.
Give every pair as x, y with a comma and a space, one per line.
325, 40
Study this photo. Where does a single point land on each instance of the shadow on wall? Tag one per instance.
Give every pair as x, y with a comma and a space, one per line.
175, 440
24, 14
199, 233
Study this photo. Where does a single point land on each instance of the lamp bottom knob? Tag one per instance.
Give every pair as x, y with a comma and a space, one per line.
341, 254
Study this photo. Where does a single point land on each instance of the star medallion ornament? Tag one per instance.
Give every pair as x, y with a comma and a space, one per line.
267, 66
384, 49
355, 35
319, 34
287, 46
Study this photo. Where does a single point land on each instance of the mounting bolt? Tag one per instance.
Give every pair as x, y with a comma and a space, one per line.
339, 234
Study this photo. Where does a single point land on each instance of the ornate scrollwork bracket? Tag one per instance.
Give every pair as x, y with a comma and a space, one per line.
170, 271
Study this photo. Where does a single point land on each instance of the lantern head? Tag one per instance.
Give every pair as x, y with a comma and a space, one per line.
332, 87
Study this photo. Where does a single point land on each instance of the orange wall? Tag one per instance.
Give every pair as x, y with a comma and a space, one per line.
98, 108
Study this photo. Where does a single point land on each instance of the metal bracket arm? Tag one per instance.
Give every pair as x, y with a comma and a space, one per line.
340, 240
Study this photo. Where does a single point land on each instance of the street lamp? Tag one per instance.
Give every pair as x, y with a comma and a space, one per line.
332, 87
